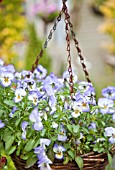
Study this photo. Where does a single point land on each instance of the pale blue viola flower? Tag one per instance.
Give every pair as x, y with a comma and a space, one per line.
84, 86
19, 94
109, 92
27, 74
45, 142
40, 72
58, 150
106, 105
1, 124
10, 68
30, 84
34, 96
13, 111
82, 103
43, 160
113, 117
62, 134
92, 125
66, 76
90, 96
24, 125
110, 132
54, 125
52, 104
35, 117
6, 78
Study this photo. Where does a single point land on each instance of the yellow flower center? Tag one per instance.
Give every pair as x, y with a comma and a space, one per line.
59, 153
105, 107
76, 112
62, 133
18, 96
6, 79
113, 135
84, 104
35, 99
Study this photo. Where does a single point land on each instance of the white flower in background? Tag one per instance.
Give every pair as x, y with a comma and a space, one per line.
6, 78
19, 94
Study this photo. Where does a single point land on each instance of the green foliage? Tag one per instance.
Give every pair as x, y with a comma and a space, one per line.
33, 49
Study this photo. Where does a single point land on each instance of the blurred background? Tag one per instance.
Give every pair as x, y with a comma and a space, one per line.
25, 24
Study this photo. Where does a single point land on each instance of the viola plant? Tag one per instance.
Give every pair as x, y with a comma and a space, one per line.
41, 122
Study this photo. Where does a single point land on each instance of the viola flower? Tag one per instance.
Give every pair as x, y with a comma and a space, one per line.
19, 94
35, 117
33, 96
1, 124
30, 84
43, 160
62, 134
92, 125
6, 78
109, 92
106, 105
27, 74
110, 132
113, 117
84, 86
13, 111
82, 103
58, 149
90, 96
24, 125
10, 68
44, 142
66, 77
40, 72
54, 125
76, 110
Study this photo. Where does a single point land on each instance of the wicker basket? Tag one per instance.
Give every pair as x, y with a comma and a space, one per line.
92, 161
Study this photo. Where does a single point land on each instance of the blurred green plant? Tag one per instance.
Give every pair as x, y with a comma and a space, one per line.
12, 23
33, 49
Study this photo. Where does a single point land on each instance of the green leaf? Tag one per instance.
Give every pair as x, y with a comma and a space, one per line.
79, 162
109, 158
66, 160
85, 130
10, 102
11, 150
27, 155
76, 128
9, 142
7, 133
29, 145
71, 154
51, 155
43, 132
70, 128
31, 161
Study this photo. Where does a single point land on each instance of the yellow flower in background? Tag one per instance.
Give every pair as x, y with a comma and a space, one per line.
108, 27
12, 25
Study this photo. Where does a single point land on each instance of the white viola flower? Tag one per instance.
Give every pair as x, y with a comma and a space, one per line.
76, 111
6, 78
24, 125
33, 96
106, 105
110, 132
58, 149
19, 94
54, 125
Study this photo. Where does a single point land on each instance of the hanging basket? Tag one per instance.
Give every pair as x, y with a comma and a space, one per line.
48, 128
92, 161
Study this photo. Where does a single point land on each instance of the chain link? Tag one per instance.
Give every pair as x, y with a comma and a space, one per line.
46, 41
65, 10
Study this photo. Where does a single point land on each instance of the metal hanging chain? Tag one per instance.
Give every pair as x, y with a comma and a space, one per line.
46, 41
69, 57
65, 10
